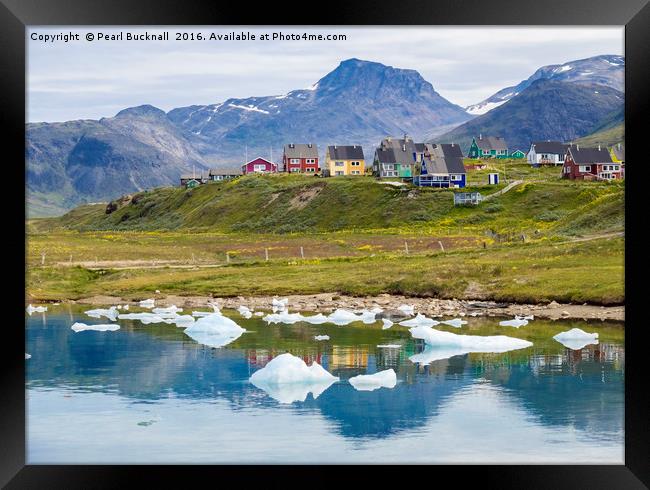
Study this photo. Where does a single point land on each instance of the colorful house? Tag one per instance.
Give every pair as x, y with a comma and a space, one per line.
300, 158
259, 165
517, 154
194, 179
345, 160
547, 153
395, 158
583, 163
224, 173
488, 147
617, 153
442, 166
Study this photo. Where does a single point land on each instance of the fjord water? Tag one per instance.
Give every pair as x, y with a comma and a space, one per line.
151, 394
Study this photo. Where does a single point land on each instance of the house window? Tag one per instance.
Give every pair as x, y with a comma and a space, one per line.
355, 172
339, 164
617, 168
339, 172
310, 169
310, 161
259, 167
295, 169
584, 168
388, 166
456, 177
295, 160
355, 164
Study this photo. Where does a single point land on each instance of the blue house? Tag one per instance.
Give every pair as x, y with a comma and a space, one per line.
442, 166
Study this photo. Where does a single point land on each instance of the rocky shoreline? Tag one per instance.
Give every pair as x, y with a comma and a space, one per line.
389, 303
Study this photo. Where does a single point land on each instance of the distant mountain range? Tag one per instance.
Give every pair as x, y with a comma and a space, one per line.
359, 102
605, 70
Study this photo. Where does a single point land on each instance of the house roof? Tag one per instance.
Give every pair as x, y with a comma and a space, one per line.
301, 150
259, 158
225, 171
554, 147
419, 147
350, 152
439, 161
194, 177
589, 155
491, 143
451, 150
619, 152
392, 150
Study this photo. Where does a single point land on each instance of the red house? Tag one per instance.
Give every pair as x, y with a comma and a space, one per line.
259, 165
302, 158
589, 164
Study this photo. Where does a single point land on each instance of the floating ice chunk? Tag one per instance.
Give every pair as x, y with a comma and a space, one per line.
126, 307
390, 346
344, 317
431, 354
576, 338
215, 307
386, 323
514, 323
40, 309
145, 318
376, 310
419, 321
407, 309
202, 313
214, 330
283, 317
368, 316
28, 356
259, 313
56, 304
182, 320
157, 291
147, 303
169, 310
287, 378
322, 337
469, 343
245, 311
279, 304
456, 322
371, 382
80, 327
110, 313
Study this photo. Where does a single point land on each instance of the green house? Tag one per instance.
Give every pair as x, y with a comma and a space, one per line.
517, 154
395, 158
488, 147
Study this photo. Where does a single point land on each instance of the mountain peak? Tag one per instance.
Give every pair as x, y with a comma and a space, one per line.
142, 110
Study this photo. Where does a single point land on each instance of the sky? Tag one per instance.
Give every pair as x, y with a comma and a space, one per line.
82, 79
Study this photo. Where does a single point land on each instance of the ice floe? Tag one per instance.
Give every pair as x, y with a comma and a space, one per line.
279, 304
339, 317
456, 322
80, 327
322, 337
448, 344
147, 303
419, 321
517, 322
245, 311
287, 378
576, 339
259, 313
214, 330
371, 382
145, 318
39, 309
386, 323
407, 309
110, 313
126, 307
165, 311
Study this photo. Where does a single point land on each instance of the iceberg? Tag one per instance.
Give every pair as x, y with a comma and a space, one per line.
126, 307
283, 317
40, 309
407, 309
456, 322
322, 337
110, 313
145, 318
469, 343
376, 310
371, 382
287, 378
431, 354
202, 313
214, 330
166, 311
259, 313
80, 327
344, 317
517, 322
245, 311
147, 303
419, 321
182, 320
386, 324
576, 339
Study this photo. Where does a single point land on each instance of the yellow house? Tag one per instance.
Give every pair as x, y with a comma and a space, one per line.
345, 160
617, 153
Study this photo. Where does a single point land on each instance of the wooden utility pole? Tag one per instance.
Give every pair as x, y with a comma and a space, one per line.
302, 252
266, 254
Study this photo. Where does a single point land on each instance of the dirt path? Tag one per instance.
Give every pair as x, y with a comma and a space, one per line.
507, 188
596, 237
389, 303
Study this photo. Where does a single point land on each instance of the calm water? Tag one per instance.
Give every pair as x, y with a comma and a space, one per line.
150, 394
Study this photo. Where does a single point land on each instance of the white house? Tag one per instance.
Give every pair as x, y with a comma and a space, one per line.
547, 153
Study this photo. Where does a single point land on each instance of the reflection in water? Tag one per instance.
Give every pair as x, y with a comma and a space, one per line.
157, 387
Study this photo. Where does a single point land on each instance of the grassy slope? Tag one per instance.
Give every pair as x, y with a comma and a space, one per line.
607, 137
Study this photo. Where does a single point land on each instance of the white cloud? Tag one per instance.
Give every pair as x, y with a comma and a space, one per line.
464, 64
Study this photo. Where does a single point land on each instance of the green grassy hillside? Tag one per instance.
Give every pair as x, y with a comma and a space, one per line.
299, 204
608, 136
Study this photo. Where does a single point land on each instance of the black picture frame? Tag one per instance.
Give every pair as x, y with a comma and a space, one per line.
15, 15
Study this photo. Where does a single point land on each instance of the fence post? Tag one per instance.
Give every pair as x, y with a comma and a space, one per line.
406, 247
42, 258
266, 254
227, 258
441, 246
71, 258
302, 252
